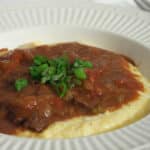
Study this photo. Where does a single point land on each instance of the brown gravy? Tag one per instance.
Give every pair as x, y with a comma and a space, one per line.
109, 85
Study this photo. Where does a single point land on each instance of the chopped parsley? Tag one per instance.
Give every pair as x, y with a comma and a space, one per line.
20, 84
58, 72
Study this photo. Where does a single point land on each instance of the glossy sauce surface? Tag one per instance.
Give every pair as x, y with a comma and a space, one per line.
108, 86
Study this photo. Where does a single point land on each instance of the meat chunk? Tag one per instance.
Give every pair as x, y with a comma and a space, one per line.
34, 111
30, 112
85, 97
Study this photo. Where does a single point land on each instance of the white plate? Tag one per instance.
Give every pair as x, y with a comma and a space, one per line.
106, 27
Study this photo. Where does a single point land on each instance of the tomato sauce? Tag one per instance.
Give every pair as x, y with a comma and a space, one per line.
109, 85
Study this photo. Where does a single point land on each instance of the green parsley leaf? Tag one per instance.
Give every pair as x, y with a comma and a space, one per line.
38, 60
21, 84
82, 63
80, 73
61, 89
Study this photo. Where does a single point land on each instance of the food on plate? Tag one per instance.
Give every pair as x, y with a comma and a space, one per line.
69, 90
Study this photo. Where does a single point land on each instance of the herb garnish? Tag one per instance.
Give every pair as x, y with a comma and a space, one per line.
21, 84
58, 72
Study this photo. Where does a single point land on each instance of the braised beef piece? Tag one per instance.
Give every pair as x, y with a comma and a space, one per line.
36, 110
32, 112
83, 97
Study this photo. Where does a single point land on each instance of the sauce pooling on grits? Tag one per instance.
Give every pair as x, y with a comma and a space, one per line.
109, 85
